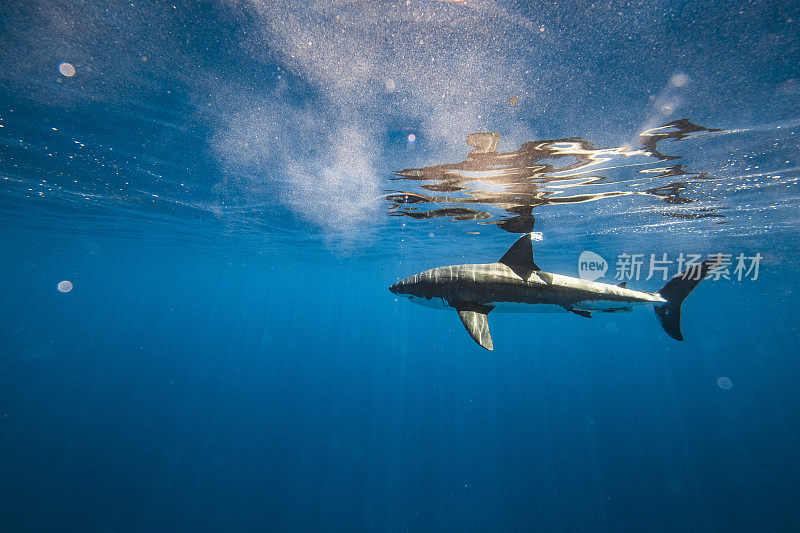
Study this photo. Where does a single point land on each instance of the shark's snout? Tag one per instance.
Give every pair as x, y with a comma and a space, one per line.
402, 287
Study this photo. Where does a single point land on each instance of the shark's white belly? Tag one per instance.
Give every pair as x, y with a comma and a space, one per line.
515, 307
609, 306
592, 306
512, 307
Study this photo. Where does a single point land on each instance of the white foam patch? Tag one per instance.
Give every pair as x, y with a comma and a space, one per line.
339, 187
322, 167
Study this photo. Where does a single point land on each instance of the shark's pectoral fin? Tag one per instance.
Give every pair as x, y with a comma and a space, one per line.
473, 316
580, 312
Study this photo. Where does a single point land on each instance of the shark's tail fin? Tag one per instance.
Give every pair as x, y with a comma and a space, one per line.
675, 292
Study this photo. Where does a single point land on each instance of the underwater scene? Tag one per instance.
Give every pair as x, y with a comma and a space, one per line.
399, 265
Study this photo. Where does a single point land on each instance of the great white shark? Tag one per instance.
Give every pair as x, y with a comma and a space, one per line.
516, 284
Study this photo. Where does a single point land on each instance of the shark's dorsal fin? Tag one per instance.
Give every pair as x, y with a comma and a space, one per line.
624, 284
519, 257
473, 316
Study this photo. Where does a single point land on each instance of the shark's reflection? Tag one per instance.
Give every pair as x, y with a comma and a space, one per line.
546, 172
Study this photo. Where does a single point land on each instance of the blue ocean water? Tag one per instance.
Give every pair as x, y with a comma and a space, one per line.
229, 188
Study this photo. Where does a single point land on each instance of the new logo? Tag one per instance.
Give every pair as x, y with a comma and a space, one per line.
591, 266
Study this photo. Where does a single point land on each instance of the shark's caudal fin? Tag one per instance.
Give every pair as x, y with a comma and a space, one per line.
519, 257
675, 292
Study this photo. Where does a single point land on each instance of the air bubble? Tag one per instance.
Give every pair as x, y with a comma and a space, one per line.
66, 69
725, 383
64, 286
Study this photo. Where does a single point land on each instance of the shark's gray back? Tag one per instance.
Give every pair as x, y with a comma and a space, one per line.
495, 282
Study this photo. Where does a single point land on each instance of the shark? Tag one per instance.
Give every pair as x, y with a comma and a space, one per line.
516, 284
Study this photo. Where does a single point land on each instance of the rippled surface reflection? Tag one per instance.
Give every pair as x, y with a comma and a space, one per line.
503, 188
